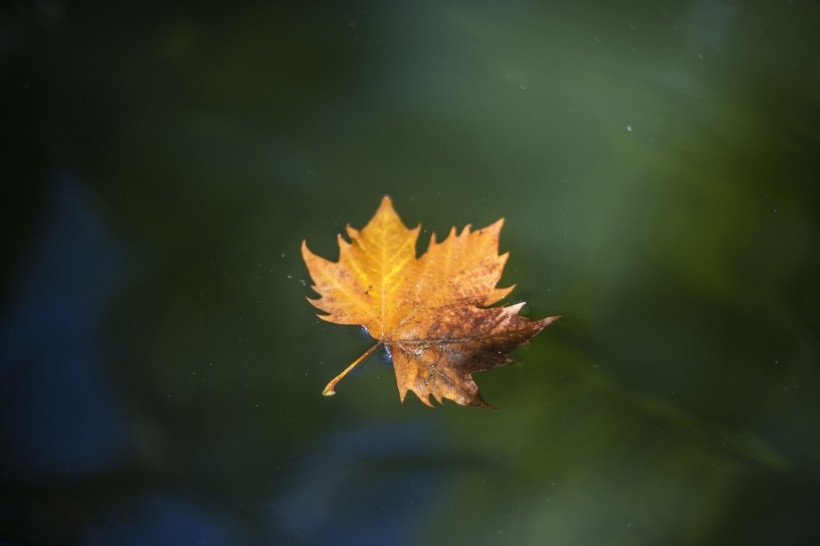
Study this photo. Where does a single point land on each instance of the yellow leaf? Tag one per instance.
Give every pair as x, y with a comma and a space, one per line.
430, 312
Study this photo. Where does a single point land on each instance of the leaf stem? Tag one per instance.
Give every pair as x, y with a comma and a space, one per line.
330, 390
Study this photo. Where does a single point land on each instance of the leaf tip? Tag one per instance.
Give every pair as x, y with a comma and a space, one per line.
544, 322
387, 203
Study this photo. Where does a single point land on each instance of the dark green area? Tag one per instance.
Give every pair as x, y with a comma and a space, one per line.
656, 163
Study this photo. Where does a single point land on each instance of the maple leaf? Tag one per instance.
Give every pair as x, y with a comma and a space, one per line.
431, 312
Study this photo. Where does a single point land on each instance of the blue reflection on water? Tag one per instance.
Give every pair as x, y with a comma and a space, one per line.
364, 486
160, 519
59, 420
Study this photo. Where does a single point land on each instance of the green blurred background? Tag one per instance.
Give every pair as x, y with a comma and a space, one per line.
161, 371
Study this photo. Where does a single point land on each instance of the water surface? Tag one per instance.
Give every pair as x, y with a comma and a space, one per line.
161, 370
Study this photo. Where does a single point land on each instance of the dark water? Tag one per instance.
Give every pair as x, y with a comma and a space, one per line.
160, 370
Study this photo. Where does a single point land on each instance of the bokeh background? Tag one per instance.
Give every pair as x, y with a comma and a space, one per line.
160, 370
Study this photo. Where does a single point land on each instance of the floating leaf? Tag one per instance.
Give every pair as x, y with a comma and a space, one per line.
431, 313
